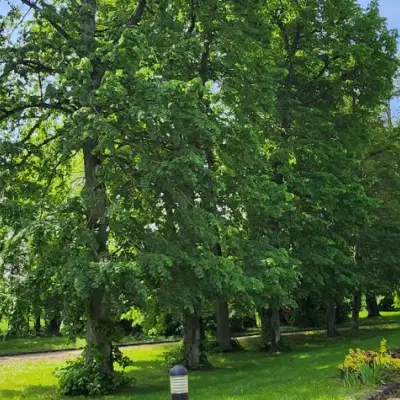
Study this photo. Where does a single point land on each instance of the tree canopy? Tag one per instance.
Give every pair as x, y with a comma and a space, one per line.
177, 155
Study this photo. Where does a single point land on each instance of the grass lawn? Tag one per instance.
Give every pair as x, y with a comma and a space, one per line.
53, 343
47, 343
3, 326
308, 372
386, 317
36, 344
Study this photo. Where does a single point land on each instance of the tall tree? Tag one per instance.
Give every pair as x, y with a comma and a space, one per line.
329, 50
53, 108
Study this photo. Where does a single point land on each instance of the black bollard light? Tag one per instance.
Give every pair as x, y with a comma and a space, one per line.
179, 383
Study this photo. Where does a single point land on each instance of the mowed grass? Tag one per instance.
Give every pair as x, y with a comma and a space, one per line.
26, 345
32, 344
386, 317
309, 371
38, 344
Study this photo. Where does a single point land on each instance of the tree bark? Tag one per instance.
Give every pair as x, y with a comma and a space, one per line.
98, 335
38, 326
331, 319
270, 328
264, 327
98, 312
355, 310
372, 306
223, 330
53, 326
99, 345
191, 340
275, 330
98, 322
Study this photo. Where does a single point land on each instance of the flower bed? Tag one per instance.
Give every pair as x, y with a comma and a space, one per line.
371, 367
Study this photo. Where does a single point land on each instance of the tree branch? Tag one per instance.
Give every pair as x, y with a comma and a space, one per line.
54, 169
4, 113
192, 19
204, 61
296, 40
137, 15
284, 34
34, 128
377, 152
37, 147
36, 65
134, 19
324, 68
53, 23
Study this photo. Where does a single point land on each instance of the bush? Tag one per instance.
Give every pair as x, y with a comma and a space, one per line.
386, 304
212, 346
81, 377
240, 322
129, 327
371, 367
176, 356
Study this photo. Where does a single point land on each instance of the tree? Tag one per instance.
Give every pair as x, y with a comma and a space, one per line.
187, 153
329, 50
54, 108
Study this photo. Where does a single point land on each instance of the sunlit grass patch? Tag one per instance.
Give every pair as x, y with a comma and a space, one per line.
309, 371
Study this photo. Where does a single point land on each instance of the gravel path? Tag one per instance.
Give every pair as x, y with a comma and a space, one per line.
63, 355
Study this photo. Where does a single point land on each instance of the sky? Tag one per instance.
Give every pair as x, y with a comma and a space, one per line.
389, 9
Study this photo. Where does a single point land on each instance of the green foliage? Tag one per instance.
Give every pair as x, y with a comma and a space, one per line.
161, 157
84, 377
212, 346
176, 356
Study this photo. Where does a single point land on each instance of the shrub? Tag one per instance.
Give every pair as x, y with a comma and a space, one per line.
371, 367
212, 346
81, 377
176, 356
386, 304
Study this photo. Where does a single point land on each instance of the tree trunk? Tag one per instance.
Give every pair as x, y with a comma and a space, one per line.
53, 326
191, 340
389, 114
355, 310
263, 313
223, 331
270, 328
275, 329
372, 306
38, 326
98, 323
331, 319
99, 345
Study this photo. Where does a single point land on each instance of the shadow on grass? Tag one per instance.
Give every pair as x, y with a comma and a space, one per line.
30, 392
309, 371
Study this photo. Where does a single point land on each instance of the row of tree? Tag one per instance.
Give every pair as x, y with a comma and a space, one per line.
169, 155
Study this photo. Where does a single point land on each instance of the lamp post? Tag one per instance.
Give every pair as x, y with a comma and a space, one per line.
179, 383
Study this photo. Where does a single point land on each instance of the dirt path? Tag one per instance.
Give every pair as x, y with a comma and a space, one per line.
63, 355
